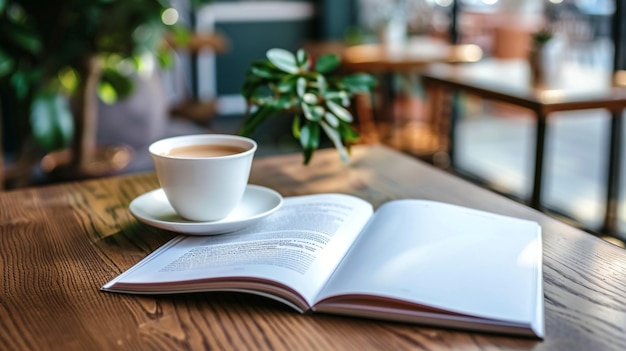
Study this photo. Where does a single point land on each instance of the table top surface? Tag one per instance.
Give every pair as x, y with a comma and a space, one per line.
413, 54
571, 86
59, 244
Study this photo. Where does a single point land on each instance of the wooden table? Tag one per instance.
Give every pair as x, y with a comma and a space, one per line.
387, 62
411, 56
415, 54
60, 244
509, 81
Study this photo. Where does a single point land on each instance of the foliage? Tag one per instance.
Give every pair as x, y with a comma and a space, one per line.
541, 37
291, 84
45, 45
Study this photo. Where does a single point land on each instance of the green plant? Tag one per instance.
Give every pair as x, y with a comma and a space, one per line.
54, 48
541, 37
292, 84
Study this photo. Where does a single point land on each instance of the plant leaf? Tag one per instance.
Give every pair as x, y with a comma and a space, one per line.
339, 111
20, 83
306, 109
121, 85
255, 119
51, 121
318, 112
360, 82
340, 96
309, 139
283, 60
107, 93
335, 138
301, 87
312, 113
326, 63
347, 132
165, 58
249, 88
6, 63
26, 38
308, 155
309, 98
264, 72
295, 127
331, 119
284, 102
321, 84
288, 85
303, 59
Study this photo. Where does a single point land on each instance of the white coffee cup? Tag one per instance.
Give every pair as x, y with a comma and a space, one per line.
203, 176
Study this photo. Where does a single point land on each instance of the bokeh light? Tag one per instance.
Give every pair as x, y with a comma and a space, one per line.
169, 16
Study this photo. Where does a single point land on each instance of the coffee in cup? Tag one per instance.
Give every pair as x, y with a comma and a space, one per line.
203, 176
207, 150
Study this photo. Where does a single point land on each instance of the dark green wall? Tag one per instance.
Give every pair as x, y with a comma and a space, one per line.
335, 17
250, 40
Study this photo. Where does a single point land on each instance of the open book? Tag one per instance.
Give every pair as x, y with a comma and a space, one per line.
411, 261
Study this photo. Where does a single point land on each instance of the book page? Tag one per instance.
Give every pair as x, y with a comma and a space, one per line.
298, 246
444, 258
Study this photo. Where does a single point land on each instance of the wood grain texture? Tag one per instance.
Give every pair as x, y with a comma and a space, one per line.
59, 244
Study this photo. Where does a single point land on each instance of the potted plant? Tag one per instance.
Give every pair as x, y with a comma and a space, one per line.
288, 84
55, 53
537, 59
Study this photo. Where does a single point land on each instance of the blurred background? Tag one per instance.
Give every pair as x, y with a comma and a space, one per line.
199, 88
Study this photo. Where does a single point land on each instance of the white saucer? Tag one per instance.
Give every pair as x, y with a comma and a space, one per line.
152, 208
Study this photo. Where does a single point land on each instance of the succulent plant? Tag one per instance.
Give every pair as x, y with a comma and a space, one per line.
541, 37
295, 84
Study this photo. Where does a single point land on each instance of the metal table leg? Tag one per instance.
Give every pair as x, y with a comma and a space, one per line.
540, 137
614, 170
